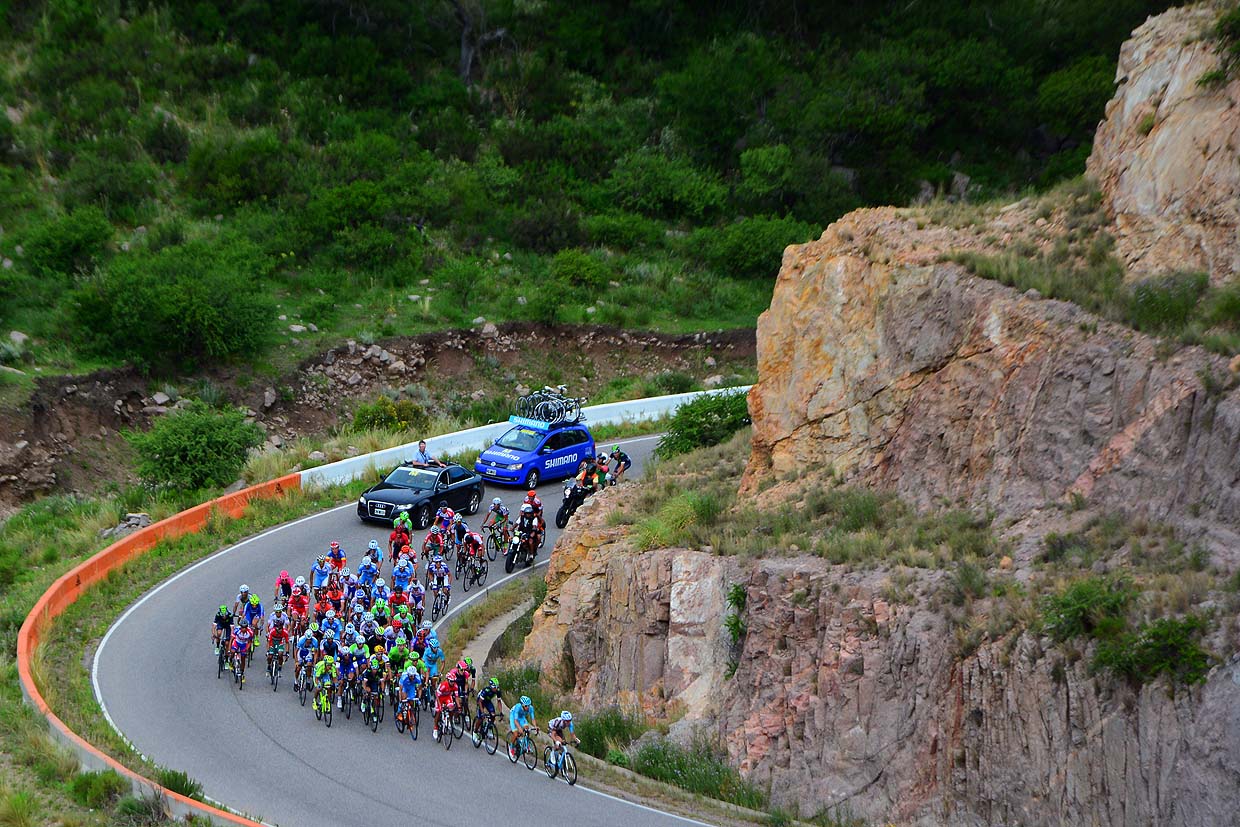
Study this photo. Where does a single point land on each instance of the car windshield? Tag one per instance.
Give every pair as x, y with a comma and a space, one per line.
413, 477
520, 439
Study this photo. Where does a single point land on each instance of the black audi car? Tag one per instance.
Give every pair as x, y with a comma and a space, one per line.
419, 490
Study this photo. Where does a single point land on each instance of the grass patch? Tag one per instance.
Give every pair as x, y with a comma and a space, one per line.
699, 770
468, 624
1168, 646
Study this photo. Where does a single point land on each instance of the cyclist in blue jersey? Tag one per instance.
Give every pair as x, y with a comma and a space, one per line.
367, 571
375, 551
319, 573
253, 612
432, 656
521, 719
402, 573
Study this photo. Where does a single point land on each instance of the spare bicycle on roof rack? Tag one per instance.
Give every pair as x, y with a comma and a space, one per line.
550, 405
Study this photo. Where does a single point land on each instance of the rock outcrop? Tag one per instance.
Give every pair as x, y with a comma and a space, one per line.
1166, 155
883, 364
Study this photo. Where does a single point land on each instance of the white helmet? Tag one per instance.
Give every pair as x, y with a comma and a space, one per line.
497, 501
566, 715
245, 589
380, 582
300, 581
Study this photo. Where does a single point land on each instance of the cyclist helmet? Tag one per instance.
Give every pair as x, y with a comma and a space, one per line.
322, 558
331, 613
451, 676
369, 616
565, 715
531, 494
497, 501
314, 627
350, 628
438, 558
346, 571
460, 666
359, 639
411, 671
435, 530
413, 655
335, 544
278, 624
366, 561
457, 519
297, 591
331, 634
469, 662
253, 600
380, 582
494, 683
279, 607
615, 449
443, 503
223, 609
525, 701
374, 545
245, 624
329, 659
379, 650
300, 581
245, 589
527, 509
426, 624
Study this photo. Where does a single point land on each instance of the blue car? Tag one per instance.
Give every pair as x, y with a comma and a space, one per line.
532, 451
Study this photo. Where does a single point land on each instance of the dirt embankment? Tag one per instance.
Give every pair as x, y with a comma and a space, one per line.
67, 437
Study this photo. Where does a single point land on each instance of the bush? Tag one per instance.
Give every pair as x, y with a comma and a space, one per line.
165, 139
386, 415
226, 172
673, 382
177, 307
135, 811
195, 447
97, 790
696, 770
1094, 606
72, 243
1165, 647
656, 184
707, 420
624, 230
118, 186
546, 226
751, 247
1165, 304
179, 782
607, 731
579, 269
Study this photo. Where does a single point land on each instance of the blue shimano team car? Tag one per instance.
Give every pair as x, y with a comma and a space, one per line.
532, 451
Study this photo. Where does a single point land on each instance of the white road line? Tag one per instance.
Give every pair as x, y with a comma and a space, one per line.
94, 668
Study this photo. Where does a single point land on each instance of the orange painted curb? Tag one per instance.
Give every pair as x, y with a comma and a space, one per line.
70, 586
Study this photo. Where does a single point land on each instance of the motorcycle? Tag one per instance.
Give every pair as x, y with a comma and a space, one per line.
521, 551
574, 496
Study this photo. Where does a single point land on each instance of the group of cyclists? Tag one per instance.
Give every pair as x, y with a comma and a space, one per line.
352, 635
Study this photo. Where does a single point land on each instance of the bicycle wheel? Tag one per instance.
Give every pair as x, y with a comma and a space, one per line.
490, 737
219, 669
372, 712
327, 712
548, 762
568, 768
318, 706
493, 541
458, 725
382, 704
346, 699
484, 568
398, 717
417, 717
302, 693
513, 751
531, 755
445, 730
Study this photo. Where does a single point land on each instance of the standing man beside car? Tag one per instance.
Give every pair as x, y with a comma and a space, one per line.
422, 457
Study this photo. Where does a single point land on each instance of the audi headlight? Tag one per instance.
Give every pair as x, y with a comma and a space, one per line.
361, 500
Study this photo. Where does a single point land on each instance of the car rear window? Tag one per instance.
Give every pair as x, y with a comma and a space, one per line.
413, 477
520, 439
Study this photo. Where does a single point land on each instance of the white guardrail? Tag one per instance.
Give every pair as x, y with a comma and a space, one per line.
613, 413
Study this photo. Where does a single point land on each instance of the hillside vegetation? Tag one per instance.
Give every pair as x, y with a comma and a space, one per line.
182, 182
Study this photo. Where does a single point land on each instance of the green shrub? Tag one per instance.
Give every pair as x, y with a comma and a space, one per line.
179, 782
97, 790
546, 226
1093, 606
615, 756
607, 730
1223, 306
751, 247
135, 811
227, 171
697, 770
1168, 646
195, 447
707, 420
579, 269
72, 243
657, 184
177, 307
1165, 304
673, 382
165, 139
627, 231
117, 185
387, 415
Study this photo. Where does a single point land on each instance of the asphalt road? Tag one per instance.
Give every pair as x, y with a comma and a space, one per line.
265, 755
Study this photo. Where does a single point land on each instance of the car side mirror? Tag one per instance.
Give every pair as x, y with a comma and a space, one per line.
441, 485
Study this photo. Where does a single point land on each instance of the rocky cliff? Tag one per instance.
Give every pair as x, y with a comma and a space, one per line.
880, 688
1166, 154
880, 362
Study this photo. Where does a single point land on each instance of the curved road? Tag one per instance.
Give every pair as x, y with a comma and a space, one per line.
263, 754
